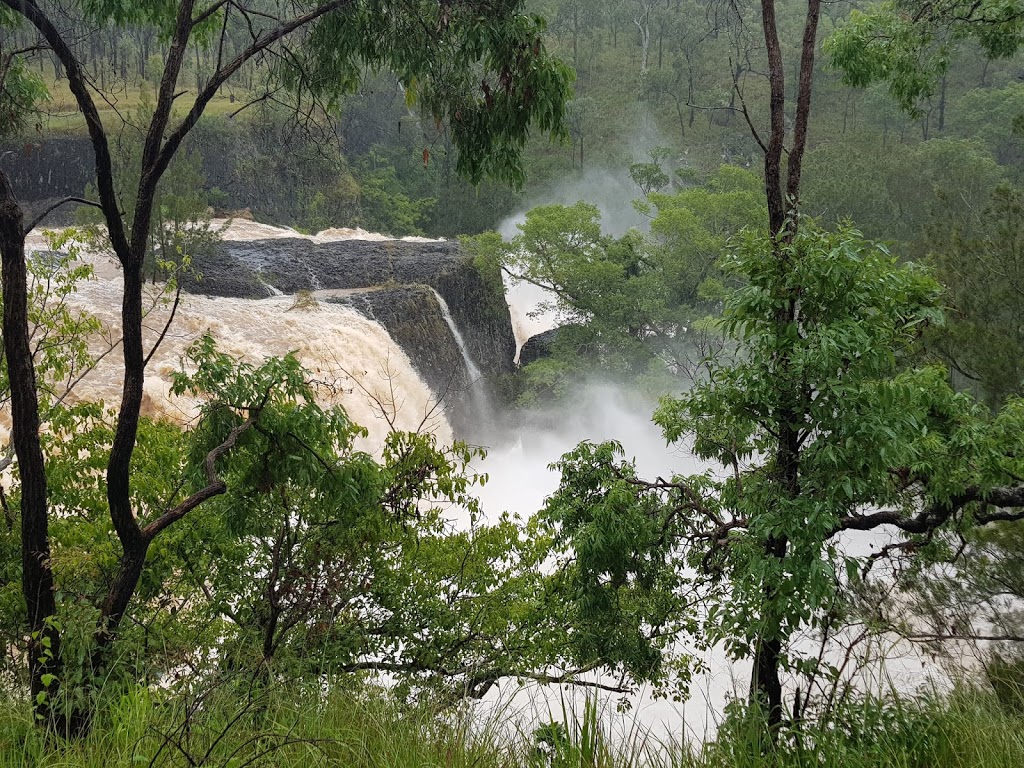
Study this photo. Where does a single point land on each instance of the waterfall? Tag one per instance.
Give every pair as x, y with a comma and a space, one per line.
271, 290
471, 368
359, 365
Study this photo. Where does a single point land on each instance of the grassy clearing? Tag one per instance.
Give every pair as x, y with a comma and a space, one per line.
60, 115
305, 728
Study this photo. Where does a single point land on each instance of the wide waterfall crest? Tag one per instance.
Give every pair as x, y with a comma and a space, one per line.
354, 357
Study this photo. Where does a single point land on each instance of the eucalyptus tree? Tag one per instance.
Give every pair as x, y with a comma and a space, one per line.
480, 68
909, 44
812, 430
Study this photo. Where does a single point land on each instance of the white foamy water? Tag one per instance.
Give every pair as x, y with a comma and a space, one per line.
247, 229
529, 318
521, 480
353, 358
471, 367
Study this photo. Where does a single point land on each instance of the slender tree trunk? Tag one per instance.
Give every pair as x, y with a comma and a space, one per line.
777, 121
942, 105
272, 596
803, 104
44, 646
690, 96
782, 221
643, 25
765, 683
575, 37
129, 245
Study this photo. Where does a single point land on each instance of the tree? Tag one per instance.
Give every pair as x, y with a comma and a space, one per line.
801, 339
912, 194
20, 89
321, 559
908, 44
984, 272
479, 68
642, 11
578, 16
632, 306
874, 444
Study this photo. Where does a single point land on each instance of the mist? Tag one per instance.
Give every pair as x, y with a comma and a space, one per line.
520, 478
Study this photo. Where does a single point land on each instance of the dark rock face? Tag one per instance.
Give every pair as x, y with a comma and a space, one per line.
537, 347
43, 172
412, 317
50, 169
394, 283
242, 170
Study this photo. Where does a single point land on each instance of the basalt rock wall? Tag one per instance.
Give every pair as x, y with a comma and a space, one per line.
412, 317
243, 168
56, 168
393, 282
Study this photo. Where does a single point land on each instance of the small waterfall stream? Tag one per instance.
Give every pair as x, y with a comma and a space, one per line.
471, 367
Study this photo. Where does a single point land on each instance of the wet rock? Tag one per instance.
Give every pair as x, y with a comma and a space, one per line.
412, 317
537, 347
393, 283
256, 269
50, 169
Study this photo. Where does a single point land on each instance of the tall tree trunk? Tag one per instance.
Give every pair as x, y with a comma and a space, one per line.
765, 683
782, 221
690, 89
942, 105
44, 646
803, 105
777, 121
643, 25
576, 37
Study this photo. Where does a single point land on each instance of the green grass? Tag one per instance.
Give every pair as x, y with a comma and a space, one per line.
60, 115
283, 727
966, 729
302, 727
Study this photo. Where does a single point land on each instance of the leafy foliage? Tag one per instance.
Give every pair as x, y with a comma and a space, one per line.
908, 43
321, 556
632, 306
870, 435
60, 334
21, 91
485, 72
983, 271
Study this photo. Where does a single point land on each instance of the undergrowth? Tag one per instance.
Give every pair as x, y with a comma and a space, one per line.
308, 727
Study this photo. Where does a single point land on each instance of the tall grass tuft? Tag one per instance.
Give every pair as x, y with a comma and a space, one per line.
294, 726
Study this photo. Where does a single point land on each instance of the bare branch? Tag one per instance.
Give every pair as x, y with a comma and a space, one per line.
221, 76
167, 325
50, 208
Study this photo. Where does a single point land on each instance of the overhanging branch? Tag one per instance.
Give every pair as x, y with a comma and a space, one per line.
50, 208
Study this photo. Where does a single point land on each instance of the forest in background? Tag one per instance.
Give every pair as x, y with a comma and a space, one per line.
380, 166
